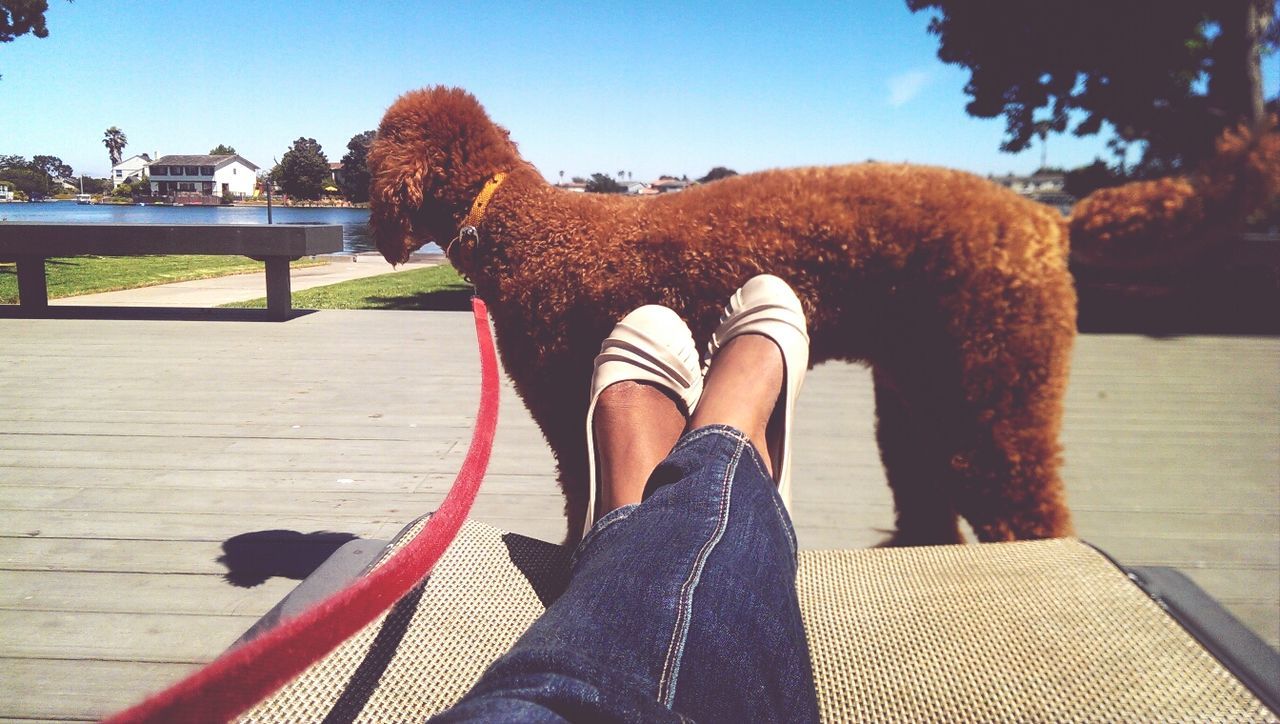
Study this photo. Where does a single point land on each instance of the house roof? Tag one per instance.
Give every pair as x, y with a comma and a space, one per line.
204, 160
670, 183
142, 156
335, 166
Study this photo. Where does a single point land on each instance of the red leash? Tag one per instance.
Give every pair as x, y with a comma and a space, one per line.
244, 676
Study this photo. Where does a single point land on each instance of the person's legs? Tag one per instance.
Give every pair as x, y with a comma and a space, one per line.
684, 603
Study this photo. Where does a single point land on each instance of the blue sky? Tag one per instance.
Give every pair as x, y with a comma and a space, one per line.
653, 87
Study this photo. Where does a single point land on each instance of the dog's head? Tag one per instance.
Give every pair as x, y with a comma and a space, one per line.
434, 151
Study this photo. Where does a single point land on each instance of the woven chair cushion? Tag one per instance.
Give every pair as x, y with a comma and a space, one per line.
1030, 631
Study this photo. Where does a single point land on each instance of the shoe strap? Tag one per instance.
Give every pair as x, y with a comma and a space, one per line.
649, 353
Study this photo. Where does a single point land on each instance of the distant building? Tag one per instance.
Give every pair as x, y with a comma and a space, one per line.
129, 170
1047, 188
6, 192
669, 185
636, 187
575, 186
206, 176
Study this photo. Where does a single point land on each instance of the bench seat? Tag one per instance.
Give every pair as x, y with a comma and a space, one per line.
30, 244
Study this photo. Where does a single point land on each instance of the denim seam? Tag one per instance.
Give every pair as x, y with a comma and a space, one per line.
684, 604
754, 457
786, 524
728, 431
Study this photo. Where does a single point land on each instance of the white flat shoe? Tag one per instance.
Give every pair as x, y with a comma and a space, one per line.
767, 305
651, 344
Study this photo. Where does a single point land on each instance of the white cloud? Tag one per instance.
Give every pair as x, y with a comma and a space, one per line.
905, 86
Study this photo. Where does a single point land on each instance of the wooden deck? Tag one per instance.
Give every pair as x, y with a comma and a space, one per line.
131, 450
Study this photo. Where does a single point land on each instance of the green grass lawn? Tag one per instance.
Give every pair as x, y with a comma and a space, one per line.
437, 287
73, 276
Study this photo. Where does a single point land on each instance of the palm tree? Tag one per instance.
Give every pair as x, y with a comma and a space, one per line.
115, 141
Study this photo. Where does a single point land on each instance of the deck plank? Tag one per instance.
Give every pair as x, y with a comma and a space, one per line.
78, 690
130, 450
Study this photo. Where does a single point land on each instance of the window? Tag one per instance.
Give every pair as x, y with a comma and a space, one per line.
192, 171
185, 186
206, 188
159, 170
119, 173
206, 170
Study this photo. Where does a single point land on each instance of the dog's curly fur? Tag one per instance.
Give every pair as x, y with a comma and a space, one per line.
1173, 221
954, 290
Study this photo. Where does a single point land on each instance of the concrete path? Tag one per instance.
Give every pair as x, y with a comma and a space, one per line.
240, 287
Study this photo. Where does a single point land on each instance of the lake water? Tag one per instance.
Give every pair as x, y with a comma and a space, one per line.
355, 222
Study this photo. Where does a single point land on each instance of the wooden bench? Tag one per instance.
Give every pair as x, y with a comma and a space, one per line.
275, 244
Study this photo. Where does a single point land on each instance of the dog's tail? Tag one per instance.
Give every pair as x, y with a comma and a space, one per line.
1172, 220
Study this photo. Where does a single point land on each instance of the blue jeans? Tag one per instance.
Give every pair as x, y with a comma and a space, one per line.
682, 607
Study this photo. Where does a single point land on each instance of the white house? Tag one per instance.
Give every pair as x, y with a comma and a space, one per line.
1037, 183
6, 192
204, 175
1047, 188
129, 170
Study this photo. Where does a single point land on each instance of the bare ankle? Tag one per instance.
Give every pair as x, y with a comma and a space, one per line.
636, 424
742, 388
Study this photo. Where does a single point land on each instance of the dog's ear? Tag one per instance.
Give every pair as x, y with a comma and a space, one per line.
398, 180
396, 192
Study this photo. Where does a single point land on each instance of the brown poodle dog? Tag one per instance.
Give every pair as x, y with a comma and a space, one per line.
954, 290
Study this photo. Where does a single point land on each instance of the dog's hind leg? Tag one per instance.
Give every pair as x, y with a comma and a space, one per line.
968, 417
1014, 356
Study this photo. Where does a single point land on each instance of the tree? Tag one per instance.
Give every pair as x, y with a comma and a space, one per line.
1085, 180
222, 149
115, 141
33, 182
1170, 76
603, 183
355, 177
19, 17
53, 166
716, 174
94, 185
303, 169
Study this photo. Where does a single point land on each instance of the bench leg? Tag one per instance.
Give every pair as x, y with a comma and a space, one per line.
279, 298
32, 290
